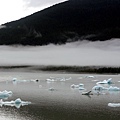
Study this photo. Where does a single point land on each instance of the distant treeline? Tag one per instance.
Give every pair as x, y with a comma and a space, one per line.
67, 69
79, 69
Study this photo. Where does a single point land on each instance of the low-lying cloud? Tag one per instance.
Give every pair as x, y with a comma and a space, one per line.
82, 53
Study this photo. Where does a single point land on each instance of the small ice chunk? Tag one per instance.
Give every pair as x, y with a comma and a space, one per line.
51, 89
113, 88
114, 104
105, 81
50, 80
14, 79
99, 88
79, 86
90, 76
5, 94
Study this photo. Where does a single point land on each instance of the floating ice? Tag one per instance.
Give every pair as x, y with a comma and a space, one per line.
81, 86
95, 80
105, 81
50, 80
114, 104
5, 94
51, 89
36, 80
68, 78
113, 88
76, 86
90, 76
99, 88
62, 79
15, 81
81, 77
17, 103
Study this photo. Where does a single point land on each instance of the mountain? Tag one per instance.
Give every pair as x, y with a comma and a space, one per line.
66, 22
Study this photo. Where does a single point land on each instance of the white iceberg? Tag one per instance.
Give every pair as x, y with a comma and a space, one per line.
17, 103
114, 104
105, 81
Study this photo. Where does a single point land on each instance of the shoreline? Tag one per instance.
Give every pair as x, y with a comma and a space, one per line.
63, 69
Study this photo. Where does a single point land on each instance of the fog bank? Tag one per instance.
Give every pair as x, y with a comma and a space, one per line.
84, 53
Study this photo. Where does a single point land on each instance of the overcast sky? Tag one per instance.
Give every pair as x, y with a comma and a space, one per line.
15, 9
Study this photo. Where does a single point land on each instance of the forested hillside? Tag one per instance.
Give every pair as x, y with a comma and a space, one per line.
66, 22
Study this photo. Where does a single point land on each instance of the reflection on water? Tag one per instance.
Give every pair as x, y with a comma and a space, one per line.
56, 100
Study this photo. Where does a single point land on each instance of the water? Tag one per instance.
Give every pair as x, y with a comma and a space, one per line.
63, 103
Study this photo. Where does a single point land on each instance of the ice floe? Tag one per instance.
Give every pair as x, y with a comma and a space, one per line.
111, 88
15, 80
17, 103
99, 88
5, 94
50, 80
109, 81
77, 86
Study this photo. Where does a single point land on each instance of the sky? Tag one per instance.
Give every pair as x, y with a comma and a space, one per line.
11, 10
81, 53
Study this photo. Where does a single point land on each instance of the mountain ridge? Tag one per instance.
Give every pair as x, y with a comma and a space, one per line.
66, 22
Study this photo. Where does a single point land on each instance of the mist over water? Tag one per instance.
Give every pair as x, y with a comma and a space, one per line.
82, 53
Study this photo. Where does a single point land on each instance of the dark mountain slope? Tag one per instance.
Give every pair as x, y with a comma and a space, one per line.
71, 20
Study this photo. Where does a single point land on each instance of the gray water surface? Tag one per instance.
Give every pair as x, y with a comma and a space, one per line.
63, 103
